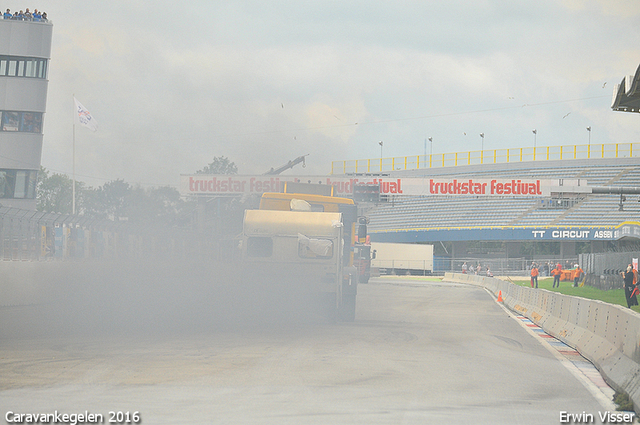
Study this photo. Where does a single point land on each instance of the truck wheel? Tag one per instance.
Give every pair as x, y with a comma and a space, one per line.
348, 309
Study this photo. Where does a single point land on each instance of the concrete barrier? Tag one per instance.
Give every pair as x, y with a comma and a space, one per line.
606, 334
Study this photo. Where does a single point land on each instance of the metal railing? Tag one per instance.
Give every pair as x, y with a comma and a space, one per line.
27, 235
496, 156
34, 235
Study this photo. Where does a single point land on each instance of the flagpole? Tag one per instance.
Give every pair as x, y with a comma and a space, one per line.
73, 167
73, 202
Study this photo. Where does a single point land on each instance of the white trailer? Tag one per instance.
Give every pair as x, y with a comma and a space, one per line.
402, 258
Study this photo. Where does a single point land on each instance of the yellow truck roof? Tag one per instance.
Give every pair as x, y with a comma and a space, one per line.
280, 201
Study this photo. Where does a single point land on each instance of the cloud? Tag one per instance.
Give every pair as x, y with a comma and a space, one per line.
174, 85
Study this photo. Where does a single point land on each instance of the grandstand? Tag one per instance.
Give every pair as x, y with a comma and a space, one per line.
593, 210
600, 221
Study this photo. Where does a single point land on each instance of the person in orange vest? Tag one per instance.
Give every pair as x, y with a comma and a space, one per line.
578, 275
630, 289
534, 274
556, 276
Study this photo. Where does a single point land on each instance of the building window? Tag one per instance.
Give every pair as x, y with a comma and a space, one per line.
15, 66
18, 184
26, 122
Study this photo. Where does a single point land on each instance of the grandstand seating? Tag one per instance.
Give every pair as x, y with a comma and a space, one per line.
441, 211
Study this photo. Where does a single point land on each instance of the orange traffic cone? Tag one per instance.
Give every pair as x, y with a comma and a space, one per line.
500, 300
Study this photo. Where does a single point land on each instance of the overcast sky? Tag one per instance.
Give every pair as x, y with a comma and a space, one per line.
174, 84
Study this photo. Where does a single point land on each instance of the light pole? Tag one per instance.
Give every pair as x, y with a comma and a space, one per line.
535, 134
589, 130
380, 143
482, 149
431, 147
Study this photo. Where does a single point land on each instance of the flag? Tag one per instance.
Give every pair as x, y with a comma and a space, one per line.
85, 117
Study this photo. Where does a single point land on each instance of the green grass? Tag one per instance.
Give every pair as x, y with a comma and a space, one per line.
613, 296
623, 401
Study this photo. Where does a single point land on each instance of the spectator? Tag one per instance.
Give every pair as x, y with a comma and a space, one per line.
27, 15
578, 275
534, 274
489, 274
464, 268
471, 268
547, 269
478, 269
556, 275
630, 289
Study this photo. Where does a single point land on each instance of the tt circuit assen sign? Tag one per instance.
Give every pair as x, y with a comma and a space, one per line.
226, 185
563, 234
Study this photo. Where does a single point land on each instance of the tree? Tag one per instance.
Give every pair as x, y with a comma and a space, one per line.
156, 206
118, 199
54, 192
220, 165
111, 200
166, 201
161, 206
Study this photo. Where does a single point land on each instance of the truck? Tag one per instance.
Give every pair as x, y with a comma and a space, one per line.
353, 261
402, 258
317, 197
300, 253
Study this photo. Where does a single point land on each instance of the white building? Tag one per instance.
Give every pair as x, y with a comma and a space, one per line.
25, 50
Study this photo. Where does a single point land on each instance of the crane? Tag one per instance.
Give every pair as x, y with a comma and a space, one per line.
286, 166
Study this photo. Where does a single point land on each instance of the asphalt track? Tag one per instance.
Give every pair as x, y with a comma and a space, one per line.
418, 353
